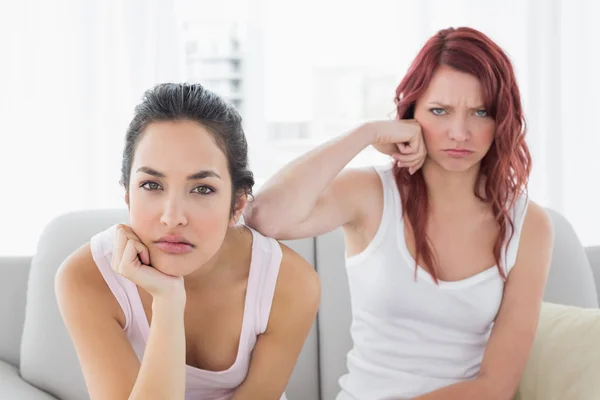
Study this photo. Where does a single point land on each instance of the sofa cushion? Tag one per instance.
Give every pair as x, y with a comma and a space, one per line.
571, 280
48, 357
13, 288
304, 382
12, 386
565, 359
593, 255
335, 314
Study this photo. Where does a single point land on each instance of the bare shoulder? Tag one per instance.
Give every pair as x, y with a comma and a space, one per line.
537, 237
537, 223
79, 269
298, 277
298, 288
91, 315
78, 277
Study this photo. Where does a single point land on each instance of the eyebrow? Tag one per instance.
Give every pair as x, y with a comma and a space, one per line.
198, 175
449, 106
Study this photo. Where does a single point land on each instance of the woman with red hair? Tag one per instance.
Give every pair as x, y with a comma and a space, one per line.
447, 258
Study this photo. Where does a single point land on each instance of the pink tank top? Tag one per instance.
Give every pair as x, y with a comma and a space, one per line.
201, 384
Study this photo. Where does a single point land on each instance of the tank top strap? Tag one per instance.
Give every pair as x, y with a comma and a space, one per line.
517, 216
262, 278
392, 211
392, 205
101, 246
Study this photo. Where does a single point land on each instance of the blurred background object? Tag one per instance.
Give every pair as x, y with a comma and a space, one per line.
300, 72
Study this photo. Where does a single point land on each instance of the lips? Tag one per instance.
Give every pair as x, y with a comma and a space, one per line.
174, 244
175, 248
457, 153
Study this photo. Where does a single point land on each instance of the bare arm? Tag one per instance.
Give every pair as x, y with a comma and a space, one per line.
312, 196
513, 334
109, 363
162, 373
293, 313
306, 197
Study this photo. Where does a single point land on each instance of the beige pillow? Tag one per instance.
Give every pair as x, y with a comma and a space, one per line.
565, 360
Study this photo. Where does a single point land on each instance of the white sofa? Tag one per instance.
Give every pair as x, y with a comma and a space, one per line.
37, 359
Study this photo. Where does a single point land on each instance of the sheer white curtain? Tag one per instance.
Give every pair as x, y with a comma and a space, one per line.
71, 73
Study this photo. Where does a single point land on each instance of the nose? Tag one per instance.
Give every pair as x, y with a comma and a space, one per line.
459, 130
173, 213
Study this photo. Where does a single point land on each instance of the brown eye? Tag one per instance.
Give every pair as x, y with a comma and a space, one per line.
203, 190
150, 186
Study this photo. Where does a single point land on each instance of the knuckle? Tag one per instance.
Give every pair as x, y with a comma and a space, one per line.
124, 228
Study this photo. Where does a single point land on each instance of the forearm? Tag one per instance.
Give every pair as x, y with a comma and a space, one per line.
162, 372
299, 184
475, 389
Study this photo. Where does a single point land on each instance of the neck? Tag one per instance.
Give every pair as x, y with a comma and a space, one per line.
450, 191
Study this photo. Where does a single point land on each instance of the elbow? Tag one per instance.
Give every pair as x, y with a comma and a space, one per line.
499, 389
155, 394
257, 217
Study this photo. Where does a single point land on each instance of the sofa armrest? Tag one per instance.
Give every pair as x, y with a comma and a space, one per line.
593, 254
14, 274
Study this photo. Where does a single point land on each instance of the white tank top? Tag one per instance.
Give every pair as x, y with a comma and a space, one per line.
199, 383
413, 337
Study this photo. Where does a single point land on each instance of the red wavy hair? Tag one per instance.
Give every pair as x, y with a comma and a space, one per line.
507, 164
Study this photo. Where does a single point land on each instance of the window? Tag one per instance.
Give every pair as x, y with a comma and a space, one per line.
299, 72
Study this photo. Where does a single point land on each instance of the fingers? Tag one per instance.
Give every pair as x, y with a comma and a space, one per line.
417, 167
412, 167
124, 236
142, 251
411, 154
406, 148
413, 142
125, 229
408, 164
407, 158
118, 247
415, 153
129, 259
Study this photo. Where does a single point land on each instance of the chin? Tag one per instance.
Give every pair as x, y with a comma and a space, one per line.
176, 264
455, 165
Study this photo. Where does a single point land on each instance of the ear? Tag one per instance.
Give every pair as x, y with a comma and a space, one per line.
127, 198
238, 208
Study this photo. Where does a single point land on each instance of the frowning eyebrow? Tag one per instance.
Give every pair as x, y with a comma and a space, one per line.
198, 175
437, 103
